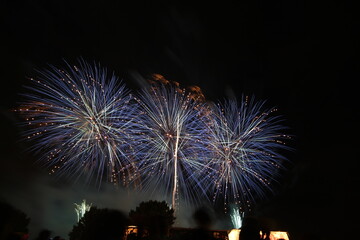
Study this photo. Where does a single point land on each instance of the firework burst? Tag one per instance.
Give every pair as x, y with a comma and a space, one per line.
246, 146
173, 144
84, 122
80, 120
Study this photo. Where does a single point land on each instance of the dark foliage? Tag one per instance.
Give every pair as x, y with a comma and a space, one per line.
44, 235
104, 224
12, 221
153, 218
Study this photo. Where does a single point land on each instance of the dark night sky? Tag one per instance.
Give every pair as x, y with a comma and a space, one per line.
302, 56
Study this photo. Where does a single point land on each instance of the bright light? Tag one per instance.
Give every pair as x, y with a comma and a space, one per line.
236, 218
275, 235
234, 234
81, 209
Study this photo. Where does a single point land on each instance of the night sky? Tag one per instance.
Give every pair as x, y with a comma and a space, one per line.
300, 56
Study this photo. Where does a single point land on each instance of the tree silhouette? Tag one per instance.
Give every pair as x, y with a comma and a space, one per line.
12, 221
153, 218
104, 224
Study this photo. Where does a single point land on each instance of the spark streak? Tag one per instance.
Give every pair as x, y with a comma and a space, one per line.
173, 145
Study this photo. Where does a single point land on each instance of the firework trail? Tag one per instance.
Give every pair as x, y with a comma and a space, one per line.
81, 121
173, 143
236, 217
246, 146
81, 209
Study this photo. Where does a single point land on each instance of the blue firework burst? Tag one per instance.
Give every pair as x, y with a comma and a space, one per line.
247, 144
81, 121
173, 149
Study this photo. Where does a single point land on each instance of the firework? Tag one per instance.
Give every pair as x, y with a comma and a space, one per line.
81, 209
236, 217
80, 120
84, 122
246, 146
173, 144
